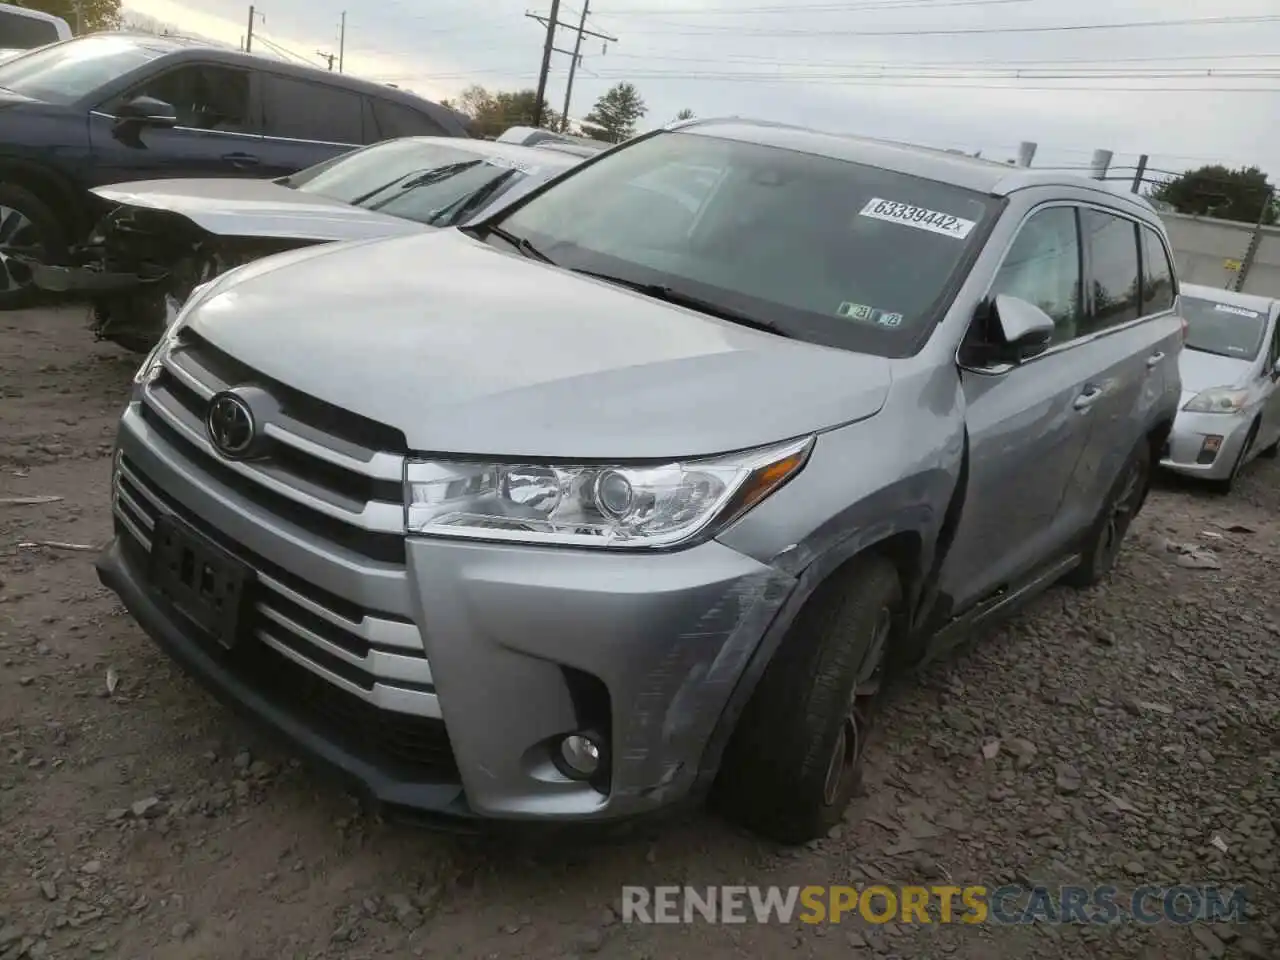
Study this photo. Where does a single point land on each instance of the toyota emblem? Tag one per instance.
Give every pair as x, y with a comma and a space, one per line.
231, 426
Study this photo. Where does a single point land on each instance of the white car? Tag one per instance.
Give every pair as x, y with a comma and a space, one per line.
22, 29
1230, 367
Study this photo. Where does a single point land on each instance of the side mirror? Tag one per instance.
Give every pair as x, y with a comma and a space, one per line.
1026, 329
147, 112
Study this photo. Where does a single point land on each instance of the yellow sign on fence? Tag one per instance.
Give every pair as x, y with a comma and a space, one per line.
1235, 266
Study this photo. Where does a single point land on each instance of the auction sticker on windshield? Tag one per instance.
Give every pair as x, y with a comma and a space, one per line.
922, 218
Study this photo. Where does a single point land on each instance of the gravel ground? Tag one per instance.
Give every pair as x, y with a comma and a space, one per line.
1127, 735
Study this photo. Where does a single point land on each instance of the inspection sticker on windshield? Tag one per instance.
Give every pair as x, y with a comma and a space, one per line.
1238, 311
921, 218
860, 311
508, 164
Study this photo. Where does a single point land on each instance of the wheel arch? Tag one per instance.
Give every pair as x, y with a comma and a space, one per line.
905, 540
69, 204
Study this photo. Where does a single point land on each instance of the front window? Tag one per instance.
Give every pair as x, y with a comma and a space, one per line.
428, 183
66, 72
1223, 328
816, 248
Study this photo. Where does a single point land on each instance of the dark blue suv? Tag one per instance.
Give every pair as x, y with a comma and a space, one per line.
113, 107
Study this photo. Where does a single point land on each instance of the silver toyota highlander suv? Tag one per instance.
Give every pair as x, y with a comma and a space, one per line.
637, 491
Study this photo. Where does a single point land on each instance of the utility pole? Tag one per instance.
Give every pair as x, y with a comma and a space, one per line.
327, 56
551, 23
573, 67
248, 37
79, 18
546, 63
342, 41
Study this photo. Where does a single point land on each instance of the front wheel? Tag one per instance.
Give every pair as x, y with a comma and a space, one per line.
28, 228
1102, 546
1228, 483
795, 758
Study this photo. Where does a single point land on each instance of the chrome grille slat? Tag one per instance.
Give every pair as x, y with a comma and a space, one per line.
374, 630
132, 527
380, 466
377, 663
378, 516
397, 699
135, 501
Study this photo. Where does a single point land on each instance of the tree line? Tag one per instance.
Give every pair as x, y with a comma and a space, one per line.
614, 117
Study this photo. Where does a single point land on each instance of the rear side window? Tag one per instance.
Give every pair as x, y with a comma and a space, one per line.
397, 120
302, 110
22, 33
1043, 267
1157, 274
1113, 252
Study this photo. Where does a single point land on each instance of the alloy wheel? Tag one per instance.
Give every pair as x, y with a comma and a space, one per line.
855, 729
1123, 509
18, 235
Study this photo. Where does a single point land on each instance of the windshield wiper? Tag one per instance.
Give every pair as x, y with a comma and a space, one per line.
520, 243
667, 294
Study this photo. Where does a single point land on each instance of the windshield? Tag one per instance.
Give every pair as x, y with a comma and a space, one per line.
65, 72
1223, 328
416, 180
822, 249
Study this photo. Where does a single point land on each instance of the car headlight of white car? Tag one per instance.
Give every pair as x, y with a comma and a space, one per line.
1217, 400
593, 505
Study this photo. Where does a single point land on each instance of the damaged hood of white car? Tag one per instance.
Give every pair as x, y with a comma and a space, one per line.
231, 207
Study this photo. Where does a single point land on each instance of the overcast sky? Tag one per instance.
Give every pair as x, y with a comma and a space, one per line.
1130, 90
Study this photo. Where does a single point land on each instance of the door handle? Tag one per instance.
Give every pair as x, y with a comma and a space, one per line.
240, 159
1153, 360
1086, 399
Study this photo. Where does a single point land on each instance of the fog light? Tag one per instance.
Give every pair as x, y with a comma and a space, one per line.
579, 756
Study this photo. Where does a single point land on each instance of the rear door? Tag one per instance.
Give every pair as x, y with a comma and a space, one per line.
216, 134
1026, 435
1128, 351
305, 122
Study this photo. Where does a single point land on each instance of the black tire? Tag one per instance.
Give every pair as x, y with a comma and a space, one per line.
1226, 485
45, 238
1124, 502
804, 718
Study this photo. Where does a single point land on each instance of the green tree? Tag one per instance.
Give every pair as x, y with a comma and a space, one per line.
685, 114
94, 14
493, 112
615, 115
1218, 191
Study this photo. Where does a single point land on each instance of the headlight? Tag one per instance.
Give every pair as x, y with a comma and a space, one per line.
625, 507
1217, 400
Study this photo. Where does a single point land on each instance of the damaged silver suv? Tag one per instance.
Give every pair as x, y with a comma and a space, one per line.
637, 491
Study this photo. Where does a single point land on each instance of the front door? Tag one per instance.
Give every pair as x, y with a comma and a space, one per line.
216, 134
1028, 424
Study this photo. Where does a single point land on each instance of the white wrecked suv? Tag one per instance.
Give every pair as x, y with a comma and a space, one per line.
637, 491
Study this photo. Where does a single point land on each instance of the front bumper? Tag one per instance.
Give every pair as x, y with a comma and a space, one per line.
1187, 454
524, 646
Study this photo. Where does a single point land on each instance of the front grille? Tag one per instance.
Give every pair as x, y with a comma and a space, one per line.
321, 468
359, 677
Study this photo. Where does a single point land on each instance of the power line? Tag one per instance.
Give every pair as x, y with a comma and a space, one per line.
967, 31
909, 81
809, 8
994, 62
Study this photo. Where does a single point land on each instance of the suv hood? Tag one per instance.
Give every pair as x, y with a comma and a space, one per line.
472, 350
231, 207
